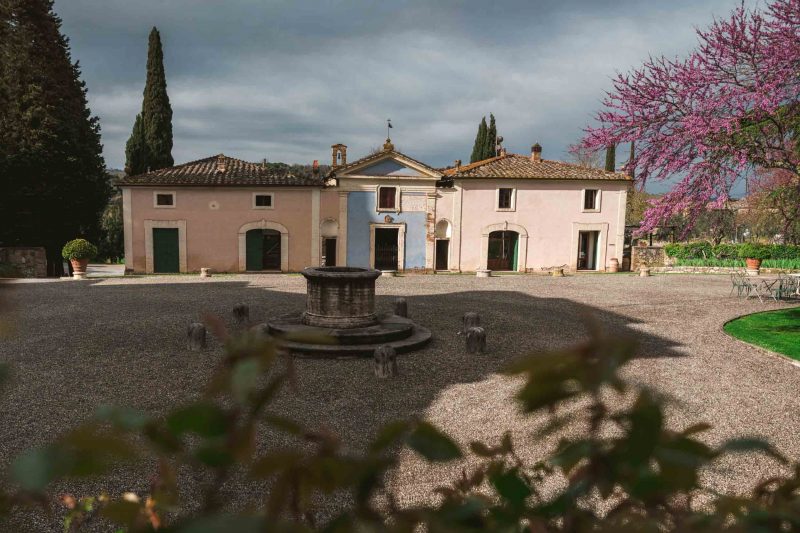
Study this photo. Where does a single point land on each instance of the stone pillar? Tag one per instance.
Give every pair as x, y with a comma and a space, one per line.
196, 337
384, 362
430, 230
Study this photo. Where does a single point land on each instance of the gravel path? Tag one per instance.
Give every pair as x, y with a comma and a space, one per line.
79, 344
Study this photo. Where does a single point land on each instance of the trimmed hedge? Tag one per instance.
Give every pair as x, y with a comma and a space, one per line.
706, 251
79, 249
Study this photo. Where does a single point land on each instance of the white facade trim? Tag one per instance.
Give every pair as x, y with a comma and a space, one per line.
149, 225
315, 241
157, 193
619, 242
271, 202
513, 200
597, 199
401, 243
127, 227
396, 208
522, 244
430, 231
341, 242
602, 243
455, 242
263, 224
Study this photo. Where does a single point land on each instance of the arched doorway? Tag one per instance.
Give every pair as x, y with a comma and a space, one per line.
263, 245
442, 233
263, 249
329, 231
503, 250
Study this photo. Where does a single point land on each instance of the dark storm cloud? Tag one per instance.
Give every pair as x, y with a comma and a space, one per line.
285, 80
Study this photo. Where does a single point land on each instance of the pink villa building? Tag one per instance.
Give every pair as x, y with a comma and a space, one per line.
386, 210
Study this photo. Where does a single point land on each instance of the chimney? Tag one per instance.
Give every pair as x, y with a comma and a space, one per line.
457, 163
264, 162
220, 163
536, 152
502, 151
315, 168
338, 155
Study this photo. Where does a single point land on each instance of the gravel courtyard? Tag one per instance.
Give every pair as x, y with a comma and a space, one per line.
75, 345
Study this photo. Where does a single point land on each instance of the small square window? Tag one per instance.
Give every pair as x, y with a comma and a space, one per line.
165, 199
387, 198
263, 201
590, 199
505, 198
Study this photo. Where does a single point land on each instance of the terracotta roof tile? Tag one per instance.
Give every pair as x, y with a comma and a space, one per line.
515, 166
220, 171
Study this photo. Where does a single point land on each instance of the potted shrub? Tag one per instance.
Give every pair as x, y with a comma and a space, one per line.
753, 254
79, 252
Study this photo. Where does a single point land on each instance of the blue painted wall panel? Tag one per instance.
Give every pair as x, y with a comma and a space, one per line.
361, 212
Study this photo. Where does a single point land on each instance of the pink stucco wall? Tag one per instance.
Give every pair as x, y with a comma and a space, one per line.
212, 233
550, 211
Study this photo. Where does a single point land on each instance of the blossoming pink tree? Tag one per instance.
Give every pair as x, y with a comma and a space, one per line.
731, 106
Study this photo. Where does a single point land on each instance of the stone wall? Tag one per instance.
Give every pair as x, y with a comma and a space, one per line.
713, 270
652, 256
30, 262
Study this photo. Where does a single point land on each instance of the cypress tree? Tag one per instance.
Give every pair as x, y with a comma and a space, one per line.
53, 184
156, 111
479, 148
490, 149
611, 158
630, 168
136, 150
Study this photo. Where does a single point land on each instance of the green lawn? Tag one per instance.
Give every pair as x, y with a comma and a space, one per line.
778, 331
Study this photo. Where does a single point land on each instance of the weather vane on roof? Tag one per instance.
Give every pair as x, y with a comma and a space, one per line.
388, 127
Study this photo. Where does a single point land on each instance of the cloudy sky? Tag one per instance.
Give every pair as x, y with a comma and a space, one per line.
284, 80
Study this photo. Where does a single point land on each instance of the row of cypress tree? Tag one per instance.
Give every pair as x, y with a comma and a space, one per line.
150, 144
485, 141
53, 182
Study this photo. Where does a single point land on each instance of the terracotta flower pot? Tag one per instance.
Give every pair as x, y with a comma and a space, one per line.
79, 267
753, 264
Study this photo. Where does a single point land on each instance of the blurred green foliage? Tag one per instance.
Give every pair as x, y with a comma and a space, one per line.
623, 469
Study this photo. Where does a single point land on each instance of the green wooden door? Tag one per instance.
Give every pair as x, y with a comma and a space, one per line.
166, 257
254, 249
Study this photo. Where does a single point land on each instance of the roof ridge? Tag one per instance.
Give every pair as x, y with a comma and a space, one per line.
477, 164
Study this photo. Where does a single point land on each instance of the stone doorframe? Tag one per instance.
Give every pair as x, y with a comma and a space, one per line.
401, 243
263, 224
522, 243
602, 243
149, 225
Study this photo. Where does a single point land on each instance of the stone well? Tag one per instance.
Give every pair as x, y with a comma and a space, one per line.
340, 318
340, 297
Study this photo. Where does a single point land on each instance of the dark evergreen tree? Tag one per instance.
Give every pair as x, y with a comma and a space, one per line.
611, 158
53, 184
156, 111
630, 167
490, 149
112, 244
136, 150
479, 148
